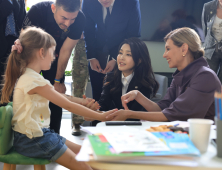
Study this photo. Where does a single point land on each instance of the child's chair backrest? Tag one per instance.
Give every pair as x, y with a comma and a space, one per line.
6, 132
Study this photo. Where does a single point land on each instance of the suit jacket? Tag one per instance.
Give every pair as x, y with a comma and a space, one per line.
208, 17
110, 100
189, 96
6, 8
125, 22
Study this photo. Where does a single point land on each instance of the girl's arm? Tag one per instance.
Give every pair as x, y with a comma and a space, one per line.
88, 102
122, 115
55, 97
141, 99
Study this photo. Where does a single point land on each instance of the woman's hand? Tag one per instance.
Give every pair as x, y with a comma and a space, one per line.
126, 98
17, 46
110, 113
120, 115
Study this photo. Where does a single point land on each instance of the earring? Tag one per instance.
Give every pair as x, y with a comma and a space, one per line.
183, 55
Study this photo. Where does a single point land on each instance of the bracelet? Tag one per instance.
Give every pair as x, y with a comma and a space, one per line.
57, 80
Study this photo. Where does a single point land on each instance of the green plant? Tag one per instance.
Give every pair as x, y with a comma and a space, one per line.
68, 73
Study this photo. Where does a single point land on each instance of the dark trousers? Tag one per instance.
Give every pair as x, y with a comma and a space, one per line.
3, 56
97, 80
56, 111
96, 83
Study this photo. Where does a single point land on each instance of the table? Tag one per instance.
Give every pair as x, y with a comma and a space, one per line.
208, 160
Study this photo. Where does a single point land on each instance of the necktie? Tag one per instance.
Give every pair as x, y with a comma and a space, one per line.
107, 17
10, 25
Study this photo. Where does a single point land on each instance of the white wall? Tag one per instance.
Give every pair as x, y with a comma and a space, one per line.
156, 50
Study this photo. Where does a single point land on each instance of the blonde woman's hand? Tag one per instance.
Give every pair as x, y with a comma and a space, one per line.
126, 98
120, 115
109, 115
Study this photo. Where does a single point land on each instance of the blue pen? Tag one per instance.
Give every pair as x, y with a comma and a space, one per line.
176, 125
215, 101
219, 115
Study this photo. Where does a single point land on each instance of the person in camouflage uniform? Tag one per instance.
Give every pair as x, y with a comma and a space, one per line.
80, 76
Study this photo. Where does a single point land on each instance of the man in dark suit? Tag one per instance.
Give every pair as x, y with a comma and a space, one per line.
12, 14
108, 23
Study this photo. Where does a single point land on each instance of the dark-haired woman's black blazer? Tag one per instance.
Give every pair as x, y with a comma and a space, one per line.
109, 100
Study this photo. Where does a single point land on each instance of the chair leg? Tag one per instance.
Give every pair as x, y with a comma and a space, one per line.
13, 167
6, 166
43, 167
37, 167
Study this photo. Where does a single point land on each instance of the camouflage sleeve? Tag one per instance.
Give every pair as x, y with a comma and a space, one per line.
80, 75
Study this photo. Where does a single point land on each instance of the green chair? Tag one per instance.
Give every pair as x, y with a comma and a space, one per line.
8, 155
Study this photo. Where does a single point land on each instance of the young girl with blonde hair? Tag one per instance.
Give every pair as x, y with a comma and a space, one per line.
32, 93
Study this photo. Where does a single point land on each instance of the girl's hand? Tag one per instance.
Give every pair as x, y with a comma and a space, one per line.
17, 46
120, 115
90, 103
93, 105
126, 98
105, 114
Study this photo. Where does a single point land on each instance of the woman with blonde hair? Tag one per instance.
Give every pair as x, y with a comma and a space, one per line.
191, 93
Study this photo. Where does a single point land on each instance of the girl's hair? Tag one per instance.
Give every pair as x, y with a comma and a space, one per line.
190, 37
32, 39
143, 72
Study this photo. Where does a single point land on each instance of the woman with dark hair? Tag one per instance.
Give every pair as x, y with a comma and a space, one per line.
191, 93
133, 71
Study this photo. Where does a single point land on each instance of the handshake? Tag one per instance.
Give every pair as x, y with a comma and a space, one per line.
112, 115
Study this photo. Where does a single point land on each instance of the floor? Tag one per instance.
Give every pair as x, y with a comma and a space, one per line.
65, 132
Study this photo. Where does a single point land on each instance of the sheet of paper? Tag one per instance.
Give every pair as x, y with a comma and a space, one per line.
134, 141
85, 151
94, 130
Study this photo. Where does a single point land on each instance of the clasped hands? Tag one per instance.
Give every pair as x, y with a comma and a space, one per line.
95, 65
113, 115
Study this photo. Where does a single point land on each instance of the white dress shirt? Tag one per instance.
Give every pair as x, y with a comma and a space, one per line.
105, 11
104, 17
217, 28
126, 82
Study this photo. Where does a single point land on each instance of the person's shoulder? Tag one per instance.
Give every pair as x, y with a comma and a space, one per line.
90, 2
210, 4
81, 15
205, 70
43, 5
31, 75
203, 75
88, 5
79, 22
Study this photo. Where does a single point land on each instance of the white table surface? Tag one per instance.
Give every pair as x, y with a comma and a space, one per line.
207, 160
